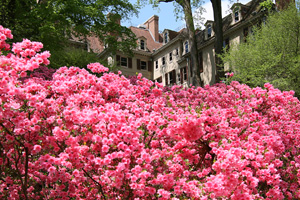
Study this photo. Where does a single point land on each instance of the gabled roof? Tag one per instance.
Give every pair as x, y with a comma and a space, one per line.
172, 34
151, 43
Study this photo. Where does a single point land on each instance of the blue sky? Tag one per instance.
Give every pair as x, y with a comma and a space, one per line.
167, 19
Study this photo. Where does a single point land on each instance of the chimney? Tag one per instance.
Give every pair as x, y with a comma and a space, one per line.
152, 25
114, 18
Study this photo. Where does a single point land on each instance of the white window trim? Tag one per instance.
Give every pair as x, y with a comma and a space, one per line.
166, 36
140, 44
178, 78
186, 47
238, 15
209, 27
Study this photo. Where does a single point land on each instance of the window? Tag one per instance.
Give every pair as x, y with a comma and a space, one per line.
171, 78
142, 44
143, 65
163, 60
177, 51
226, 44
236, 15
208, 31
186, 46
159, 80
185, 74
123, 62
166, 37
156, 64
170, 56
179, 77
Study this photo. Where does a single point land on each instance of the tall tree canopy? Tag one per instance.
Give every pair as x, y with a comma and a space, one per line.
54, 21
271, 54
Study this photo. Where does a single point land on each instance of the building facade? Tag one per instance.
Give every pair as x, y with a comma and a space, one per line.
165, 57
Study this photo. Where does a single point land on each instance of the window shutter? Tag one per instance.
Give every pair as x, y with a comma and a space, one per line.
174, 76
118, 57
150, 66
138, 64
166, 79
129, 62
181, 75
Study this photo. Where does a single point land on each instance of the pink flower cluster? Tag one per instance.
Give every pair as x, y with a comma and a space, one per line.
229, 74
4, 34
97, 68
79, 136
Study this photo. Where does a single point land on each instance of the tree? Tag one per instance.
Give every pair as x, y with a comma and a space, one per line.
271, 53
218, 28
71, 56
53, 22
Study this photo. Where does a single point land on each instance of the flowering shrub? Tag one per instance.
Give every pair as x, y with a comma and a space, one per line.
79, 136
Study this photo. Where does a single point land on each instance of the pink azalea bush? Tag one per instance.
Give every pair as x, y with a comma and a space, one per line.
79, 136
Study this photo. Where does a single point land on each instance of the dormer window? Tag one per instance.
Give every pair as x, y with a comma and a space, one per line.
186, 46
238, 12
142, 45
236, 15
166, 37
208, 31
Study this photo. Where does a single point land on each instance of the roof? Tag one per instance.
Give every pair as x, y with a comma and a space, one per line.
172, 34
151, 43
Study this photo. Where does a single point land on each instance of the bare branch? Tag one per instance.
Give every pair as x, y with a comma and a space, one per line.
100, 186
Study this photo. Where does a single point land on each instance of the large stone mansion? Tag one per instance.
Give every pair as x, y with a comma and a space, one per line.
165, 56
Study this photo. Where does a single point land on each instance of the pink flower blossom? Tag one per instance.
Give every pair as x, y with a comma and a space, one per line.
75, 135
97, 68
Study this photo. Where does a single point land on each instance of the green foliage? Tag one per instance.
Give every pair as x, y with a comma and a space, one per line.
72, 57
267, 4
271, 53
53, 22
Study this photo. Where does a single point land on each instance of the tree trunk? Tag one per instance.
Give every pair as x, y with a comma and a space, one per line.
218, 28
188, 16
